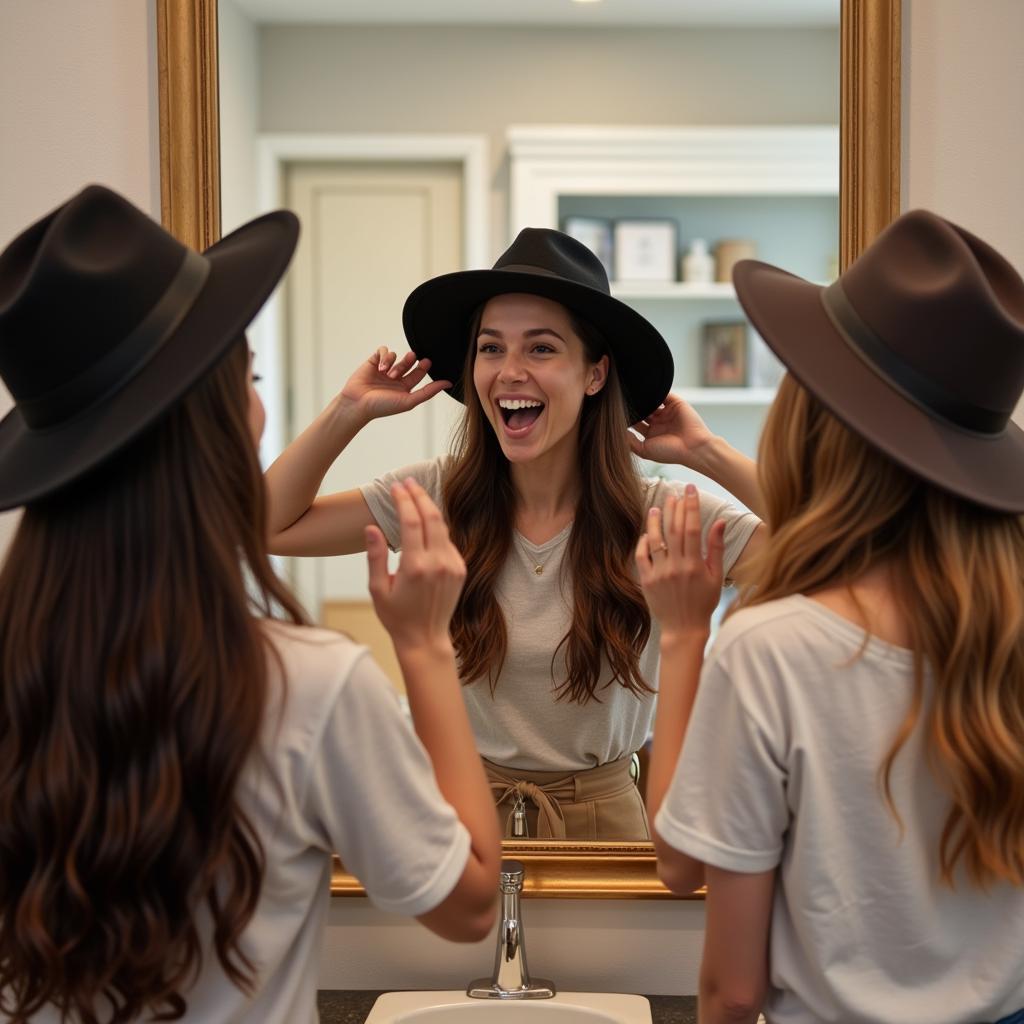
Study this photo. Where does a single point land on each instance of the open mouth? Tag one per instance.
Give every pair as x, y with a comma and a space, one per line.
519, 414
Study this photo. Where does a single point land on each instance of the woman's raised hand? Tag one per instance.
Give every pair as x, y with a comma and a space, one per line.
383, 385
674, 433
416, 603
682, 586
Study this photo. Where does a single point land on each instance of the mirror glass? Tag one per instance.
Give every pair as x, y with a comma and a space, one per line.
670, 136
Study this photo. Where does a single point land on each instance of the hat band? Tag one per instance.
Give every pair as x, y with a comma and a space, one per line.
123, 362
524, 268
920, 390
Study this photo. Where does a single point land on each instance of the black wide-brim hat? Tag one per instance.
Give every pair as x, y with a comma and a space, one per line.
553, 265
918, 348
106, 321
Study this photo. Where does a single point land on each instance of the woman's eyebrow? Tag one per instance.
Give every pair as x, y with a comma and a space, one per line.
537, 332
533, 332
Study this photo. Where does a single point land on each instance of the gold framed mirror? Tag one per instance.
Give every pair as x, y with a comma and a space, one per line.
868, 200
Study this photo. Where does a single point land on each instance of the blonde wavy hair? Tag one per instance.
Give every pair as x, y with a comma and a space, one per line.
837, 507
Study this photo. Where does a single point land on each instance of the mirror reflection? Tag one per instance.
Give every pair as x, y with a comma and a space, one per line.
644, 154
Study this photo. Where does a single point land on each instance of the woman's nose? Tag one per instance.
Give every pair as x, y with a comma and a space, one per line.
512, 370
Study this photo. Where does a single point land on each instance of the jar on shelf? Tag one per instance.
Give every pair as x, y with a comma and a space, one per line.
729, 252
698, 267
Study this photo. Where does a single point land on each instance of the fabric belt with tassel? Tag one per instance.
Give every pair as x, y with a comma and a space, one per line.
547, 791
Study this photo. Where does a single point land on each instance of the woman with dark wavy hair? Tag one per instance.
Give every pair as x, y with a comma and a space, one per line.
180, 755
555, 644
851, 785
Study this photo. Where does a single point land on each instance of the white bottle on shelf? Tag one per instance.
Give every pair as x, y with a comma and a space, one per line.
698, 265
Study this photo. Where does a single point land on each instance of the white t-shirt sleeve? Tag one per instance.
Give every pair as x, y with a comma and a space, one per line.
726, 804
372, 793
377, 494
739, 524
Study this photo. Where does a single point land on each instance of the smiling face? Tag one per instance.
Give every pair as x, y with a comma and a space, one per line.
532, 373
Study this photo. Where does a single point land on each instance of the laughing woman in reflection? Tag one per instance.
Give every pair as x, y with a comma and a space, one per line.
851, 782
179, 754
555, 643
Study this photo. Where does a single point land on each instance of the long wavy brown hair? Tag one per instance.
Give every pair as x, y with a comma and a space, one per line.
836, 508
133, 683
610, 616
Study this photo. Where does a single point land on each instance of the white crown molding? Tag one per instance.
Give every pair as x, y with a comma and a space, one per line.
548, 161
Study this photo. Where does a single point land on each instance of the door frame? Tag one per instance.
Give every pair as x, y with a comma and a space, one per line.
274, 151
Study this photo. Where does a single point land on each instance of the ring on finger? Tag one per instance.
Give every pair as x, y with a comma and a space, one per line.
658, 550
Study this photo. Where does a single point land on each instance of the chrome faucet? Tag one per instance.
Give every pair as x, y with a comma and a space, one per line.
511, 979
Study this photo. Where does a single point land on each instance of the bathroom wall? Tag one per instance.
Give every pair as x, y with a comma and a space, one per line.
77, 103
480, 79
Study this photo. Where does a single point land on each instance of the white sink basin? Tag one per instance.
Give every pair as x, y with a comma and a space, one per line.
458, 1008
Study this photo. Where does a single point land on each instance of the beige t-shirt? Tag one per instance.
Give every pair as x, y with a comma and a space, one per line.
780, 769
522, 725
338, 769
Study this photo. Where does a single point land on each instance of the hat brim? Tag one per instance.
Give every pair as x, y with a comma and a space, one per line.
436, 319
245, 266
788, 313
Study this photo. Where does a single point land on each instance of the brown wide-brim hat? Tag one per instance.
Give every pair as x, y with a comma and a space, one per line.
918, 348
106, 321
541, 261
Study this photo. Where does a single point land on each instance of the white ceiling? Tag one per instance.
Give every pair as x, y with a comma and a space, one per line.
546, 12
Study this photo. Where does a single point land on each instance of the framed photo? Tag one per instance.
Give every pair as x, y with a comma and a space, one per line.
596, 234
723, 356
645, 250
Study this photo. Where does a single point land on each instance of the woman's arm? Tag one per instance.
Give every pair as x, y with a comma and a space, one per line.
300, 523
675, 434
682, 588
734, 969
415, 605
681, 658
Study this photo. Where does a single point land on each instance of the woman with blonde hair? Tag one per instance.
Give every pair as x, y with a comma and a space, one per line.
851, 783
556, 649
180, 755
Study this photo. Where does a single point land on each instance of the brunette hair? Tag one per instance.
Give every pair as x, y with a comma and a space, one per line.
610, 615
134, 682
836, 507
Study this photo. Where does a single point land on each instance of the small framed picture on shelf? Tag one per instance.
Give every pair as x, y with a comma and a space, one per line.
645, 250
596, 234
723, 356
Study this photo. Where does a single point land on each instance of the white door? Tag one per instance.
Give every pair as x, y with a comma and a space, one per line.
371, 232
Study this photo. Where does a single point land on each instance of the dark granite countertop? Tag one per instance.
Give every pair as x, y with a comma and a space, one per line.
350, 1006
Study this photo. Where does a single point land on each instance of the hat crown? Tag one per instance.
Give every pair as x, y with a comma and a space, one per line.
950, 310
546, 251
74, 285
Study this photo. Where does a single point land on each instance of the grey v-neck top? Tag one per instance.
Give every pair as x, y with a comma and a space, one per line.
523, 725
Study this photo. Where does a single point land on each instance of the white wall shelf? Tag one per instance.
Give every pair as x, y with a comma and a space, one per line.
548, 161
726, 396
673, 290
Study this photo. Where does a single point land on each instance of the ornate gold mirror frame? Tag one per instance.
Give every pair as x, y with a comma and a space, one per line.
869, 197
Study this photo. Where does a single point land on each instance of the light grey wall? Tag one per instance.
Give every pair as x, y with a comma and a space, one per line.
481, 79
78, 104
963, 131
963, 138
238, 64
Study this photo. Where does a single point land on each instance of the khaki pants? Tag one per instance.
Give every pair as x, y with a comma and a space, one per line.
599, 803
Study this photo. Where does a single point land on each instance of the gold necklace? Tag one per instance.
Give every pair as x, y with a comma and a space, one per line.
538, 567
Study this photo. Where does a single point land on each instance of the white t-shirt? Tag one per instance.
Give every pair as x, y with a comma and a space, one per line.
523, 725
780, 769
338, 769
